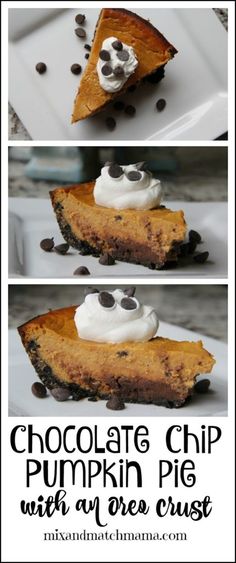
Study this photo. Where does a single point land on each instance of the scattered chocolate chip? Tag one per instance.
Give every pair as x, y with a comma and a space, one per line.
130, 110
106, 70
122, 353
62, 248
115, 403
41, 68
117, 45
202, 386
104, 55
106, 299
128, 303
119, 105
115, 171
134, 175
47, 244
60, 393
87, 47
93, 399
76, 68
86, 56
130, 291
106, 260
132, 88
123, 55
80, 32
118, 71
201, 258
184, 249
39, 390
110, 123
80, 18
194, 237
82, 271
89, 290
192, 247
161, 104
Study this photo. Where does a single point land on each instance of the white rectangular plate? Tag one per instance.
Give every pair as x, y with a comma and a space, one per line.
194, 87
23, 403
31, 220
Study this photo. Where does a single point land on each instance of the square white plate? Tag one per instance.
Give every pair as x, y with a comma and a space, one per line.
23, 403
194, 87
31, 220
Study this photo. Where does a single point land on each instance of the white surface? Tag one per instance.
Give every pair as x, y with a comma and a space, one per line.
195, 85
23, 403
31, 220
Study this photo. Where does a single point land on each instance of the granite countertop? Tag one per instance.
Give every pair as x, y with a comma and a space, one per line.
200, 308
16, 128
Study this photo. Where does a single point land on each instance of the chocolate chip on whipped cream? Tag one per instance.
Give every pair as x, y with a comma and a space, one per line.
122, 64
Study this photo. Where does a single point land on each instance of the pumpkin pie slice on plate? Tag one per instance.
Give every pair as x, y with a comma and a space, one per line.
108, 347
126, 49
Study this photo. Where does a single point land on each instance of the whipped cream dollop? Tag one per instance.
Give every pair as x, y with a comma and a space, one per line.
127, 187
114, 317
117, 61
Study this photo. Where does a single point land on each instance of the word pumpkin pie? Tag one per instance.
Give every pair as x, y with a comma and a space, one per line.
126, 49
108, 346
120, 214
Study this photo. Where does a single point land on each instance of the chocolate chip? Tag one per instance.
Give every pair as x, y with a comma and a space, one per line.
47, 244
89, 290
132, 88
76, 68
106, 299
194, 236
106, 70
128, 303
86, 56
110, 123
47, 371
201, 258
130, 291
179, 403
202, 386
123, 55
134, 175
41, 68
115, 171
130, 110
117, 45
93, 399
80, 32
184, 249
87, 47
32, 346
119, 105
122, 353
161, 104
104, 55
115, 403
192, 247
118, 218
60, 393
106, 260
118, 71
62, 248
80, 18
82, 271
39, 390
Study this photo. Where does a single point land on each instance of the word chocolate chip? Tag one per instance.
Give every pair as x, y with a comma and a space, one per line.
106, 260
39, 390
60, 393
76, 68
82, 271
106, 70
130, 110
123, 55
104, 55
134, 175
130, 291
128, 303
47, 244
161, 104
106, 299
89, 290
62, 248
201, 258
115, 403
80, 32
41, 68
110, 123
115, 171
80, 18
194, 236
202, 386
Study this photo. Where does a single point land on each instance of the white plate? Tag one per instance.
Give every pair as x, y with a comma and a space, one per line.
23, 403
31, 220
195, 85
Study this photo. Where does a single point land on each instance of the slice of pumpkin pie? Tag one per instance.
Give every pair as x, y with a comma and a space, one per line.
108, 346
126, 49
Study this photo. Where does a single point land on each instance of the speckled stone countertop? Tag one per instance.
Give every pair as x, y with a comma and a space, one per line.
16, 128
195, 307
